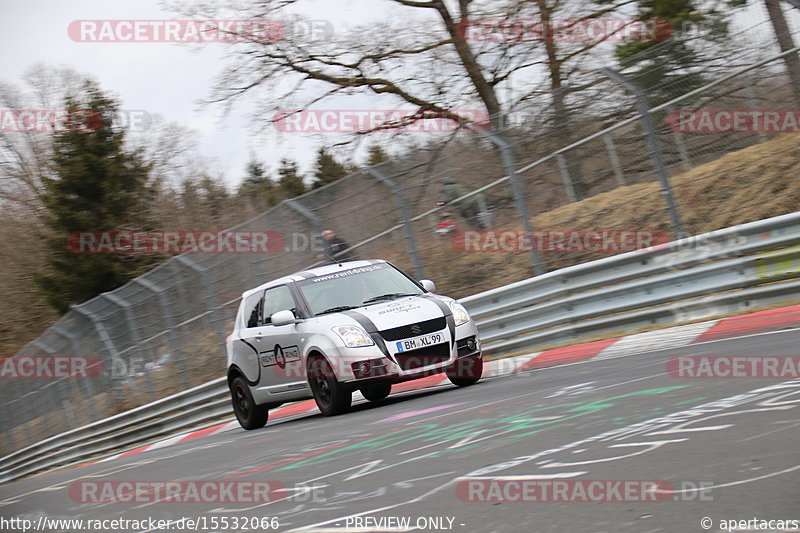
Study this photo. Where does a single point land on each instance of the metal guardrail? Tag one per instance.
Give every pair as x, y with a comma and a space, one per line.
724, 271
720, 272
203, 403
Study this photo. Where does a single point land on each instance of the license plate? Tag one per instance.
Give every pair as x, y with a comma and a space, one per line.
419, 342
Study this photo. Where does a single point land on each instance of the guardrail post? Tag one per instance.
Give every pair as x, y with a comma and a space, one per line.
614, 158
655, 147
26, 424
568, 186
316, 221
59, 383
6, 422
169, 317
400, 200
134, 331
751, 103
510, 166
9, 419
15, 419
88, 387
682, 152
105, 340
211, 296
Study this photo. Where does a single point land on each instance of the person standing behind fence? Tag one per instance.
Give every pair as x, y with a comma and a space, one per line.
468, 208
335, 248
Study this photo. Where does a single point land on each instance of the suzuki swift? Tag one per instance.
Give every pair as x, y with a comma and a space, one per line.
326, 332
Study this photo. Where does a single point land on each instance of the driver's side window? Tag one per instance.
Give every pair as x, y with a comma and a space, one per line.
252, 310
278, 299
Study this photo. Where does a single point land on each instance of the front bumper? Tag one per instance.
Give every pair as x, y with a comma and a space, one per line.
362, 366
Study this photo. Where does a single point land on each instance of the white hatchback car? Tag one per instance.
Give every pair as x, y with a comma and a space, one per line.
328, 331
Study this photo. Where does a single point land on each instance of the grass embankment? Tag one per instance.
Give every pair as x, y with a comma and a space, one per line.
758, 182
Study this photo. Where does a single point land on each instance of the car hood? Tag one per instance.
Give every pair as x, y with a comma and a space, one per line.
395, 313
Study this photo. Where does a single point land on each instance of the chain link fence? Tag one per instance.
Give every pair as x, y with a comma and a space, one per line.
582, 186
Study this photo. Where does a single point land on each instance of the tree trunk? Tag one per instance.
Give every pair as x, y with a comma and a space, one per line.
785, 42
561, 127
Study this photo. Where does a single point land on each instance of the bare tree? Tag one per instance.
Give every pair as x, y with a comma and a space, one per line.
25, 144
437, 56
25, 151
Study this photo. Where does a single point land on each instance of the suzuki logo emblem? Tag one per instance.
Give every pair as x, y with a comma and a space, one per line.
416, 330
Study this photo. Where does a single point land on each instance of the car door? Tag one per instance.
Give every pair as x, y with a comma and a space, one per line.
279, 346
246, 355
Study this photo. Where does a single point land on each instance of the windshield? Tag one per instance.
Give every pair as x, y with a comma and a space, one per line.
356, 287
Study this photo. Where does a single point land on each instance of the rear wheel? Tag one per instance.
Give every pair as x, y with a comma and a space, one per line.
249, 415
377, 391
466, 371
331, 398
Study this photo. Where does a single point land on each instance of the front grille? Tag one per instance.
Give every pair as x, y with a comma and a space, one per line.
414, 330
430, 355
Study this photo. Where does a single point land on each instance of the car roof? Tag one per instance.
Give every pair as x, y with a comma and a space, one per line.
313, 272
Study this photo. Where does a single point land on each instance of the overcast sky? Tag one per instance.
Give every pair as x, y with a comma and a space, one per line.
166, 80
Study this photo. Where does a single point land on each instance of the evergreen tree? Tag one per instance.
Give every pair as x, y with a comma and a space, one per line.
215, 201
290, 182
257, 176
327, 169
671, 64
96, 185
258, 187
377, 155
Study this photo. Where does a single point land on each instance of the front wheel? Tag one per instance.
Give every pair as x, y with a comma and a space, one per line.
465, 371
377, 391
331, 398
249, 415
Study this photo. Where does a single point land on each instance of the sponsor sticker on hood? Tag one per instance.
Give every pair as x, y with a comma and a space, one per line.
400, 308
401, 312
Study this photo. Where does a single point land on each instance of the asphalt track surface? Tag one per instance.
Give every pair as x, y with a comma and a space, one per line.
721, 449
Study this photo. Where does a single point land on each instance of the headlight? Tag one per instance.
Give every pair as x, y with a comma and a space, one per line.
353, 336
459, 313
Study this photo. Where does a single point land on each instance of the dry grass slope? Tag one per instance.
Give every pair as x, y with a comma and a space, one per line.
758, 182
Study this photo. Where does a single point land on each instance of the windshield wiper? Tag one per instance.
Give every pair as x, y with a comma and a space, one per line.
391, 296
338, 309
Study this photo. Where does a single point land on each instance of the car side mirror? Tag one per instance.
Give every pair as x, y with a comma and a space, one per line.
281, 318
428, 285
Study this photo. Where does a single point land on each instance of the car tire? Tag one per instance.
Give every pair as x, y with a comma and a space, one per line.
377, 391
466, 371
331, 398
249, 415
